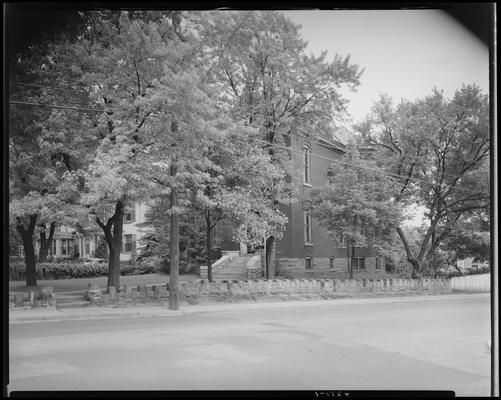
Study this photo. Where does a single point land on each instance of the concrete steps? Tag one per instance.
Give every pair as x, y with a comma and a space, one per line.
236, 270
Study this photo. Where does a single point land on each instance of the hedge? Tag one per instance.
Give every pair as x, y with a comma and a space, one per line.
17, 270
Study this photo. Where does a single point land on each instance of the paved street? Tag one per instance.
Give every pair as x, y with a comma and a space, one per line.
427, 345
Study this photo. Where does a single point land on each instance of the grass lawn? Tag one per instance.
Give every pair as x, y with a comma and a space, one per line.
74, 285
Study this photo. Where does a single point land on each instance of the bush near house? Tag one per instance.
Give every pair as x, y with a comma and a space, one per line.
17, 270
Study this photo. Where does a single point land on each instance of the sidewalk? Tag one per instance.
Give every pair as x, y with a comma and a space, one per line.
27, 315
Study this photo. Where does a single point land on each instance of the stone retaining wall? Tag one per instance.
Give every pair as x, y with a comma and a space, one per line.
203, 289
41, 297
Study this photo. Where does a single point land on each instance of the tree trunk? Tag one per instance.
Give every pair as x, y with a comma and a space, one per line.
29, 250
113, 231
174, 245
45, 242
270, 257
348, 267
352, 259
416, 265
208, 245
114, 261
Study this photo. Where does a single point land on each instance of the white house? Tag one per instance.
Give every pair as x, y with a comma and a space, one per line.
67, 241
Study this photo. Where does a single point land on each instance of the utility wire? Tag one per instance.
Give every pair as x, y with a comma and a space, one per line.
55, 106
395, 176
48, 87
312, 140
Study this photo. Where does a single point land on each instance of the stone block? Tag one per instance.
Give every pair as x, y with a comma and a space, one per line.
328, 286
266, 286
212, 287
259, 286
352, 286
274, 287
142, 290
222, 287
303, 285
159, 291
312, 286
233, 288
19, 300
204, 287
93, 294
285, 286
46, 296
33, 299
112, 291
127, 292
106, 298
183, 287
244, 286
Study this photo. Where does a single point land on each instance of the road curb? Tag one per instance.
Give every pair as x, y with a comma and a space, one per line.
325, 303
54, 314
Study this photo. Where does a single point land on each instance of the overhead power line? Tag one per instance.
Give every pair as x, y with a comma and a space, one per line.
55, 106
312, 140
48, 87
394, 176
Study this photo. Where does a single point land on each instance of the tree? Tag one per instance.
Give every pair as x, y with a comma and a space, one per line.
155, 243
40, 153
437, 149
267, 80
357, 205
469, 238
134, 66
234, 188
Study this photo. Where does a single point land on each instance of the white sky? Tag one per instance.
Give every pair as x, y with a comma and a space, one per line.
405, 53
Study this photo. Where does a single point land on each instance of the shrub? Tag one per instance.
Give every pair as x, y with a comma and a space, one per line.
17, 270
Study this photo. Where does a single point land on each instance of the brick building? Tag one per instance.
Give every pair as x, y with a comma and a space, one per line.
306, 249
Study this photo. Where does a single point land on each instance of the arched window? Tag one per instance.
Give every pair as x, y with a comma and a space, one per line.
330, 175
306, 164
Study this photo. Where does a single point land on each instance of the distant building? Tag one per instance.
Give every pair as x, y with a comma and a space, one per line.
69, 242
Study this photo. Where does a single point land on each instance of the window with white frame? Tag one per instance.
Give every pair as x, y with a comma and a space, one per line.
307, 228
129, 243
64, 247
308, 263
378, 263
359, 263
306, 165
130, 214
